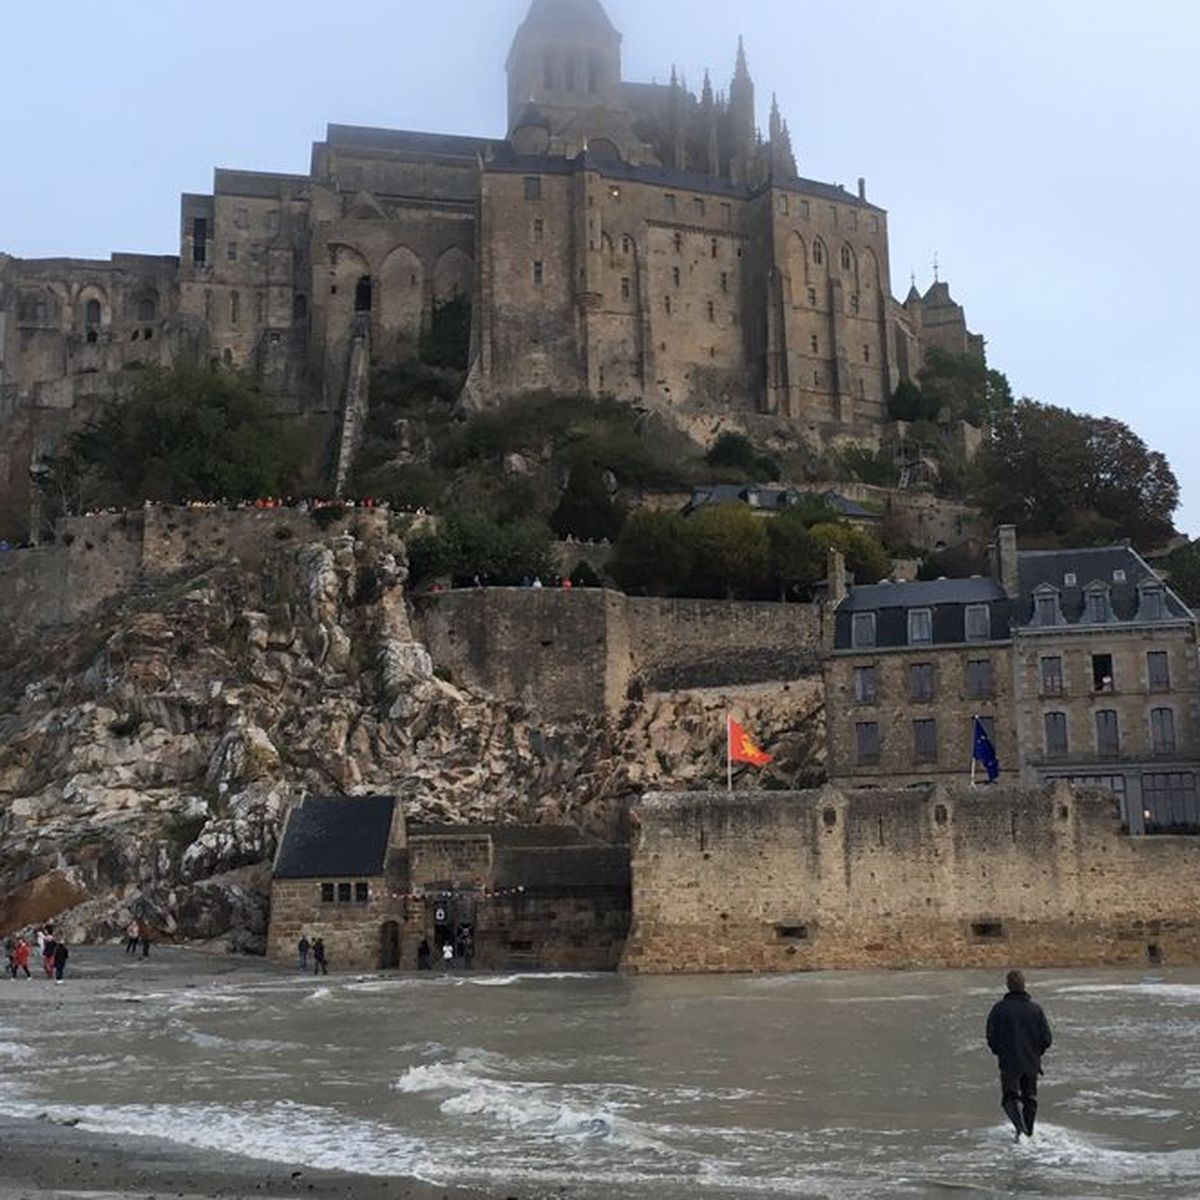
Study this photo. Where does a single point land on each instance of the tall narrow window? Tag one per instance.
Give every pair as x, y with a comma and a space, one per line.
539, 230
1103, 679
679, 243
669, 199
981, 679
1158, 668
668, 305
625, 289
847, 258
724, 281
676, 276
866, 743
921, 686
978, 622
231, 252
712, 311
1108, 733
363, 294
92, 313
920, 627
715, 248
533, 187
1162, 731
1097, 607
147, 309
866, 354
1052, 676
819, 252
925, 747
814, 343
539, 273
866, 685
863, 630
626, 244
199, 240
1056, 734
1153, 607
235, 308
697, 206
1047, 609
812, 297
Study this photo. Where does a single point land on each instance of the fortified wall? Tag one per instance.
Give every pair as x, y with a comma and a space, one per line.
95, 558
928, 877
564, 652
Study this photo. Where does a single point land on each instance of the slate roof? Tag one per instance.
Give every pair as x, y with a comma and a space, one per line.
1120, 568
407, 141
922, 594
336, 837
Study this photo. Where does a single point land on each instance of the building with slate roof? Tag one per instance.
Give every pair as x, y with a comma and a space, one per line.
351, 871
638, 240
1081, 664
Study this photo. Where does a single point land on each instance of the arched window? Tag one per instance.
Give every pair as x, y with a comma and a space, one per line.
300, 307
92, 313
847, 258
147, 309
819, 252
362, 295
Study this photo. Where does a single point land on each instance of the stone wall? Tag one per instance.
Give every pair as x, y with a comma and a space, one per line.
928, 877
564, 652
96, 558
352, 932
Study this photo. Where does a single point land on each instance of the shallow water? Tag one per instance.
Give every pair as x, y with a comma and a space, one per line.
849, 1085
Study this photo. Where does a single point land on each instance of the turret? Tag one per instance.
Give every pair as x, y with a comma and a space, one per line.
566, 55
741, 117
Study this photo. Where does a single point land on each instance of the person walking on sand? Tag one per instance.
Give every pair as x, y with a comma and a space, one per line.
144, 931
61, 954
21, 957
320, 966
302, 948
1018, 1034
49, 947
131, 938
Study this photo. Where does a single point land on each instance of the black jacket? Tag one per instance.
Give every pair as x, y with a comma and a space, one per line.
1018, 1034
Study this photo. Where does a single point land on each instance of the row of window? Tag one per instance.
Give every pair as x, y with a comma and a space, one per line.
1152, 605
922, 677
1108, 733
345, 893
786, 206
1103, 673
978, 626
868, 741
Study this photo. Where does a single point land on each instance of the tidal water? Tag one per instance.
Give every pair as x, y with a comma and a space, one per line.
854, 1085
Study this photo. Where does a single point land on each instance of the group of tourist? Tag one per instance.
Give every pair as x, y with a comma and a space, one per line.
137, 935
52, 953
315, 948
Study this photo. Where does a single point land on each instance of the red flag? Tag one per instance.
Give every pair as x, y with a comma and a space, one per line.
743, 748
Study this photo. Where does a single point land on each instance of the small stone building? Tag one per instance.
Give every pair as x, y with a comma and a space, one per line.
350, 871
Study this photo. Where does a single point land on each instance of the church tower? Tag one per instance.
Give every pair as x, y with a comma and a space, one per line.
742, 127
565, 58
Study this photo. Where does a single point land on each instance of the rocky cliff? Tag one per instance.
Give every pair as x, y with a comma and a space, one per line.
149, 753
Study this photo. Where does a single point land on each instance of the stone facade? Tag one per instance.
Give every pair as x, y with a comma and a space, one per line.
1082, 665
567, 652
923, 877
621, 239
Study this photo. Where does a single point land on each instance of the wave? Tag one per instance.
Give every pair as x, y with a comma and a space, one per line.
1187, 993
14, 1052
281, 1132
524, 977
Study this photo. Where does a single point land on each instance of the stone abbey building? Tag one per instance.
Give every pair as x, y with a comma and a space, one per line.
621, 238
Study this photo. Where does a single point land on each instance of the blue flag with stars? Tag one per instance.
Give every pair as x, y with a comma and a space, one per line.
985, 752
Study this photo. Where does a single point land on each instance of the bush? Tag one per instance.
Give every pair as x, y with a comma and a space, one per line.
473, 545
586, 510
653, 555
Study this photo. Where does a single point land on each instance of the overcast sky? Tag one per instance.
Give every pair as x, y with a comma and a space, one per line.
1045, 150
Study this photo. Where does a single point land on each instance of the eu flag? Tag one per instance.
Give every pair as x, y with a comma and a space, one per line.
985, 752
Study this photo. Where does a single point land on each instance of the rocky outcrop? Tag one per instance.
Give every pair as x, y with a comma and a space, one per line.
149, 755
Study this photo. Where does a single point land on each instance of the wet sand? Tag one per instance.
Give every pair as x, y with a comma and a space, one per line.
41, 1158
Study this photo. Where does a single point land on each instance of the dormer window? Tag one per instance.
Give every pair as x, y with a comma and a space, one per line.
1045, 608
920, 627
863, 631
978, 623
1097, 611
1153, 604
1118, 576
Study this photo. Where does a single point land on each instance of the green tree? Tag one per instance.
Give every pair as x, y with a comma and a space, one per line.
1183, 571
447, 342
730, 551
1074, 478
653, 555
797, 559
909, 403
732, 450
181, 434
866, 559
964, 387
473, 545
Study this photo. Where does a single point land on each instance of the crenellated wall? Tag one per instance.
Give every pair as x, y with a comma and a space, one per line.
924, 877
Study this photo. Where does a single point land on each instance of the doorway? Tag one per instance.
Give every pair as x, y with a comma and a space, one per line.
389, 946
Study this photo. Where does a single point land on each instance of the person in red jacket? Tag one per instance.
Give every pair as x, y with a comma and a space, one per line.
21, 957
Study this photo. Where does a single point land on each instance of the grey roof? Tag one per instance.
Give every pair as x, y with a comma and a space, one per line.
336, 836
922, 594
1120, 568
848, 508
407, 141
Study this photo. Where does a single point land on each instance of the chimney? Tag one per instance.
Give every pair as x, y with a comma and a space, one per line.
836, 590
862, 187
1004, 559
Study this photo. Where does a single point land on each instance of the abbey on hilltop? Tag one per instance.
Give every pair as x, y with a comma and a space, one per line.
628, 239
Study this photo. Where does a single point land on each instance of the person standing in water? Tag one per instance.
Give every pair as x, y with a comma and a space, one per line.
302, 949
61, 954
1018, 1034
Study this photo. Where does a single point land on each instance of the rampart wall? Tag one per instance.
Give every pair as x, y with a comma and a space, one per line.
562, 652
929, 877
95, 558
